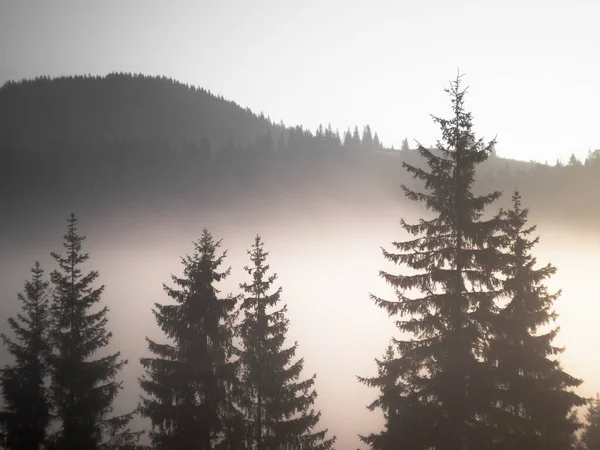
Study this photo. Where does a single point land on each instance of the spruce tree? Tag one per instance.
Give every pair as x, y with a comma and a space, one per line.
405, 146
347, 143
26, 404
376, 142
534, 396
399, 406
83, 388
356, 141
277, 403
188, 381
446, 299
367, 139
590, 438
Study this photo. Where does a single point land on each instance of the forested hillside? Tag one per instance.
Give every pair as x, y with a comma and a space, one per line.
131, 139
84, 109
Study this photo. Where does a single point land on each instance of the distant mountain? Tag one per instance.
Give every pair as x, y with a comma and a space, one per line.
132, 141
86, 109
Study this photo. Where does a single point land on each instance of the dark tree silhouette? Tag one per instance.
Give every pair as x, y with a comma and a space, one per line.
276, 402
574, 162
405, 145
347, 142
355, 143
376, 142
399, 405
367, 139
27, 407
439, 370
187, 383
590, 438
534, 395
83, 389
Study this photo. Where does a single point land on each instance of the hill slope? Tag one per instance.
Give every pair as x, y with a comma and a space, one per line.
93, 144
80, 109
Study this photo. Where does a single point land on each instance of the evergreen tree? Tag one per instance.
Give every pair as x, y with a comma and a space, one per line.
276, 402
439, 368
574, 162
590, 438
83, 389
320, 132
593, 159
333, 137
377, 142
26, 404
367, 139
405, 146
534, 397
187, 383
347, 139
399, 406
356, 139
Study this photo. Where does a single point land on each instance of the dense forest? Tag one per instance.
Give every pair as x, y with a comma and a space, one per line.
473, 365
135, 140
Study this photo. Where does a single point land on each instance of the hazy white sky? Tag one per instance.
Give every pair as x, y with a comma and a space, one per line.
531, 65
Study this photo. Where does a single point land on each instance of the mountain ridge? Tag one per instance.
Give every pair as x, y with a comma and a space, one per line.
135, 140
34, 112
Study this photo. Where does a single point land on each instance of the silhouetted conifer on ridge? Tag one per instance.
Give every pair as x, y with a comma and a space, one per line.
535, 398
187, 382
446, 303
83, 389
278, 405
404, 145
26, 411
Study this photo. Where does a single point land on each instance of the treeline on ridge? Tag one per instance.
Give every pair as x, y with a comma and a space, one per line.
138, 139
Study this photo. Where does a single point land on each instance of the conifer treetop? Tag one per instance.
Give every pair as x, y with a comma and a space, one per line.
522, 354
445, 304
26, 407
277, 403
31, 323
83, 389
187, 380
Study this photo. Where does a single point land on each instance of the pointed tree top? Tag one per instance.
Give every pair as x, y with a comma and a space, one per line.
516, 198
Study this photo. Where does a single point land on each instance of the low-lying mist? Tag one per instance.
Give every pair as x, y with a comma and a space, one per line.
327, 256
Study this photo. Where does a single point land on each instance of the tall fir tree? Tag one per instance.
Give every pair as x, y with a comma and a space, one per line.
448, 296
535, 396
27, 407
590, 438
188, 382
83, 388
278, 405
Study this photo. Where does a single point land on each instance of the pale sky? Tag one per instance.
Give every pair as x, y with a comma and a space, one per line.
532, 65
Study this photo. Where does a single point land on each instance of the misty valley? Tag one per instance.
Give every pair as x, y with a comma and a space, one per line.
179, 272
